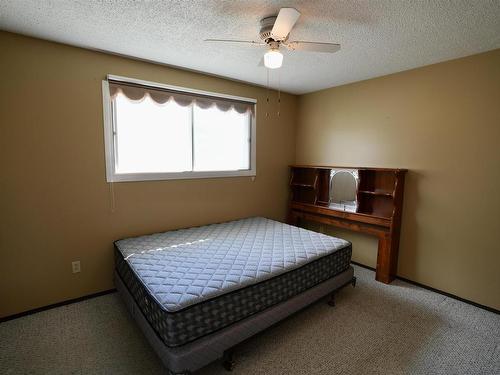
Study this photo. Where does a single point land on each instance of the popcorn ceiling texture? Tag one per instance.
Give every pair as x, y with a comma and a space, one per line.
377, 37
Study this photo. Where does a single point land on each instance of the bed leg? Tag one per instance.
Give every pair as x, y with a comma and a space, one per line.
331, 300
227, 360
353, 281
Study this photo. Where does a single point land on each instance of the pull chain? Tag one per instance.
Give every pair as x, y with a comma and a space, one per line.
267, 93
112, 205
279, 93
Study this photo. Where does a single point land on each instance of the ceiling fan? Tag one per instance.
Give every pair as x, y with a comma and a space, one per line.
274, 33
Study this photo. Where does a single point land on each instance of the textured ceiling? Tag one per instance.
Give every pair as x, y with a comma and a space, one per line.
378, 37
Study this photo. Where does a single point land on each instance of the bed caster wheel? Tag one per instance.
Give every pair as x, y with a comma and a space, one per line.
353, 281
331, 300
227, 361
228, 365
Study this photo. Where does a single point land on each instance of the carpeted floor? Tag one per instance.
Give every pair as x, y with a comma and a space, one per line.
374, 329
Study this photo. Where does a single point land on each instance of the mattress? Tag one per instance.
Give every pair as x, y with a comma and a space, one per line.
191, 282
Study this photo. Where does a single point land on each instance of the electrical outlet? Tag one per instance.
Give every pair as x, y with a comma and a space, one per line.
75, 266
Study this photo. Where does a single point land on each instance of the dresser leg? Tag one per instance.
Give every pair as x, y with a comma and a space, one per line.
385, 260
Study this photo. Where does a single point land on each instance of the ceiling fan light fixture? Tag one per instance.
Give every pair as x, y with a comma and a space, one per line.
273, 59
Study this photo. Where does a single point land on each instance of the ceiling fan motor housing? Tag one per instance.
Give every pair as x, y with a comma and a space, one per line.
266, 25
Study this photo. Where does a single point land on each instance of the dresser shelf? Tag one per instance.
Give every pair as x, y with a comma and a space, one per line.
303, 185
379, 192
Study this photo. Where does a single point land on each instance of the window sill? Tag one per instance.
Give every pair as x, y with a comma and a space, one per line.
136, 177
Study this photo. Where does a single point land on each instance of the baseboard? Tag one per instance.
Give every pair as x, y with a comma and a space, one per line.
363, 265
58, 304
484, 307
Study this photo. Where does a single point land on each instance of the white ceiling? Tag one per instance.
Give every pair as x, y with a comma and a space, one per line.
378, 37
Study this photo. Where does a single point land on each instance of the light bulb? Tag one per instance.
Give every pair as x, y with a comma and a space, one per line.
273, 59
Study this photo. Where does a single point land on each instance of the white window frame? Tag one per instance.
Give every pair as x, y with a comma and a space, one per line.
110, 132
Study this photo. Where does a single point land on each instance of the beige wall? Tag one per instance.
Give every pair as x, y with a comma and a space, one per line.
442, 122
54, 201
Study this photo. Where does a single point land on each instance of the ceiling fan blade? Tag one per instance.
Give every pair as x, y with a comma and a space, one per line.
284, 23
251, 42
312, 46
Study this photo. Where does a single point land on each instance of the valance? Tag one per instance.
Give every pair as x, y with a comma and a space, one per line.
138, 93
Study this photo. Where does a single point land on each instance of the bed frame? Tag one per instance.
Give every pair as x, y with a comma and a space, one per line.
197, 354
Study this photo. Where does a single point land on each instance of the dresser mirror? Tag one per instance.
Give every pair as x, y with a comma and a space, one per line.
343, 189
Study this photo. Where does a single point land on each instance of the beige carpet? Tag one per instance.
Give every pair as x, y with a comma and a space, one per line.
374, 329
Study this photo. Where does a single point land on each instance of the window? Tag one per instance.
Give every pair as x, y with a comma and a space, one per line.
159, 132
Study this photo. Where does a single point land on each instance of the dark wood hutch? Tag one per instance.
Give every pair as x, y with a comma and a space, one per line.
379, 208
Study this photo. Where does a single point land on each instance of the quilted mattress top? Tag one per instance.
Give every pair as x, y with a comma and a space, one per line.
188, 266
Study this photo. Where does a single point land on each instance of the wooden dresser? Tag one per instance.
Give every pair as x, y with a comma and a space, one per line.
377, 211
